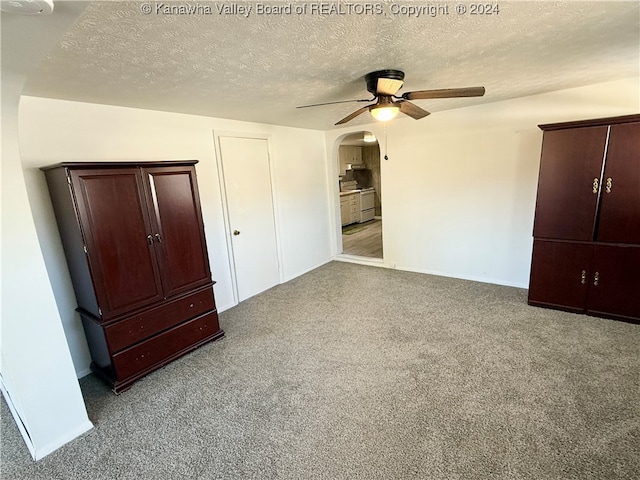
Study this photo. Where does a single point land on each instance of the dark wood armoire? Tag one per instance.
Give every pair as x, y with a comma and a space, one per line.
134, 241
586, 248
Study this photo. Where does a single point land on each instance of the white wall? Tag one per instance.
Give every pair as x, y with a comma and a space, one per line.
53, 130
459, 187
37, 374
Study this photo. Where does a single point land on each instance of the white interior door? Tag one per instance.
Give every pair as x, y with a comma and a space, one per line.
247, 183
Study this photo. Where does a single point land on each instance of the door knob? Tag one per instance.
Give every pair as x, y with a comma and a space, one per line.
236, 232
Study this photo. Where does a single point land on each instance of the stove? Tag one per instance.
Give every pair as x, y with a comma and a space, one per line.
367, 204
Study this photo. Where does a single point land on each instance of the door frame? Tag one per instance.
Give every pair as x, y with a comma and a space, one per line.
335, 170
225, 205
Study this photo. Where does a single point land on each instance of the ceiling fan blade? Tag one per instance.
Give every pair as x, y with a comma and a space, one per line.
353, 115
388, 86
412, 110
444, 93
340, 101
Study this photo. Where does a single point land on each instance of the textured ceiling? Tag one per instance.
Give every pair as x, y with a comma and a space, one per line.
260, 67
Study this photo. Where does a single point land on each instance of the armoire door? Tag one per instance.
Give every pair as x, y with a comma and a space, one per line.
249, 201
177, 228
116, 228
615, 281
619, 220
569, 183
560, 274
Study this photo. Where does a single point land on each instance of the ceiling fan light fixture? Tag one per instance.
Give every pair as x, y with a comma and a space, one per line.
384, 112
384, 85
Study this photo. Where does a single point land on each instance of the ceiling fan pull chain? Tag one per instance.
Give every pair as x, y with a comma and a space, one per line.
385, 142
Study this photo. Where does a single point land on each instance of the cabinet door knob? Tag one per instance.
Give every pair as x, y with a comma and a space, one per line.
150, 239
608, 185
158, 237
583, 277
236, 232
594, 185
596, 278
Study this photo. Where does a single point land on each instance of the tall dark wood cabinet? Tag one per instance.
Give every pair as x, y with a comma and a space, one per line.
134, 241
586, 248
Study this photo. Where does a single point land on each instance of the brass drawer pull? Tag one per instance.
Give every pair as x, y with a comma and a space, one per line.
583, 277
608, 185
594, 185
596, 278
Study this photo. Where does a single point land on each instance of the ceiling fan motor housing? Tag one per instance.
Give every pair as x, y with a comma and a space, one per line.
372, 78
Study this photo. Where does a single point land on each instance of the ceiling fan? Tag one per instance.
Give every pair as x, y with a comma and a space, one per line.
384, 84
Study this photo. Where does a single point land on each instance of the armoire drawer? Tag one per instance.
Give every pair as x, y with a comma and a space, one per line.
164, 347
138, 327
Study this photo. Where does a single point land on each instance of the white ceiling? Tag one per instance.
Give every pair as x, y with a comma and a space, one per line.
357, 140
259, 68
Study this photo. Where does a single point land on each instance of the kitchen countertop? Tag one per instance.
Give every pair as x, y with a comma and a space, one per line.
350, 192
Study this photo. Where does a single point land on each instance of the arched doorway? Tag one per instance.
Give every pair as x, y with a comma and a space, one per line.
360, 195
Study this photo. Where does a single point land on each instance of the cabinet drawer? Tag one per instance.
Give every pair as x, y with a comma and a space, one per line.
138, 327
162, 348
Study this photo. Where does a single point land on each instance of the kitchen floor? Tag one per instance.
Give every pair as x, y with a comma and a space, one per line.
363, 239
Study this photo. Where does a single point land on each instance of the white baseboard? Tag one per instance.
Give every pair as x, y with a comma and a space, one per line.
55, 444
222, 308
378, 262
374, 262
83, 373
18, 419
307, 270
472, 278
38, 453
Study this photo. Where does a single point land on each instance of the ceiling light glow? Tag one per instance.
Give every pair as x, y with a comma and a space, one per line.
384, 113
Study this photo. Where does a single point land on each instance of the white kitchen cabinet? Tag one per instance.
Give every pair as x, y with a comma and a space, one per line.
349, 154
350, 207
344, 210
